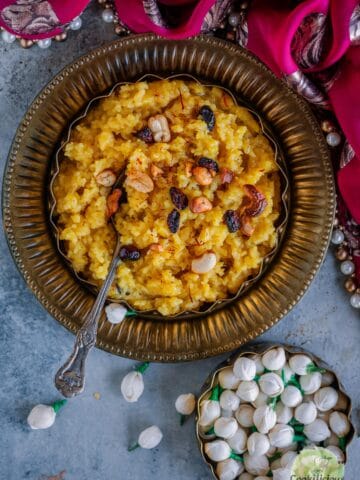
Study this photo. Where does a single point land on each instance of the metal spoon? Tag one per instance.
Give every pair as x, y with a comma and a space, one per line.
70, 378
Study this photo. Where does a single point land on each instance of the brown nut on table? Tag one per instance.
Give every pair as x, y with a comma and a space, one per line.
159, 127
256, 201
200, 205
106, 178
140, 181
202, 175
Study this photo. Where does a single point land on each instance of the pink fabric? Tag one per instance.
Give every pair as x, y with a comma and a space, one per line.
62, 10
271, 29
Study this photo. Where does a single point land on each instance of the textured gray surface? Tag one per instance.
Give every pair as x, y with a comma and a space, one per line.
90, 436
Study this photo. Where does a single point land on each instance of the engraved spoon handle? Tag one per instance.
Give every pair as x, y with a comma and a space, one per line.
70, 378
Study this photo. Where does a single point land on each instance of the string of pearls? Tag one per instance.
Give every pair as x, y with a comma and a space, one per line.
44, 43
109, 15
347, 266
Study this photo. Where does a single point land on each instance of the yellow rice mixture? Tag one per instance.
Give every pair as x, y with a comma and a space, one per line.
163, 280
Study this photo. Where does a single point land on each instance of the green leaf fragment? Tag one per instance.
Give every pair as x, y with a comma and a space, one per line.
58, 404
142, 367
237, 457
216, 392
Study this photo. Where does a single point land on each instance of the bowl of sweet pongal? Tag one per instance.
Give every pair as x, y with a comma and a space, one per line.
199, 212
224, 213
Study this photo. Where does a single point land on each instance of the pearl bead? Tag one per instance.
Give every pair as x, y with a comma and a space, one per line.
76, 23
347, 267
108, 16
333, 139
350, 285
26, 43
8, 37
234, 19
337, 237
45, 43
61, 37
327, 126
342, 254
355, 300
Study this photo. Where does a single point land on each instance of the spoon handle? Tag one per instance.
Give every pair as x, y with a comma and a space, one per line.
70, 378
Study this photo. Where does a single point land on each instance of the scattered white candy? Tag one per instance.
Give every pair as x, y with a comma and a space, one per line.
115, 313
229, 469
258, 444
282, 474
337, 452
306, 413
325, 415
260, 400
41, 416
317, 431
226, 413
209, 412
281, 436
275, 464
339, 424
274, 359
271, 384
227, 379
288, 459
326, 398
291, 396
256, 465
185, 403
311, 382
132, 386
264, 419
225, 427
262, 477
300, 363
245, 368
238, 443
248, 391
218, 450
327, 379
150, 437
245, 415
283, 413
229, 400
271, 451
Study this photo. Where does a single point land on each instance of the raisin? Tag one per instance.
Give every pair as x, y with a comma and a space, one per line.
173, 221
232, 220
208, 116
145, 134
178, 198
129, 252
209, 164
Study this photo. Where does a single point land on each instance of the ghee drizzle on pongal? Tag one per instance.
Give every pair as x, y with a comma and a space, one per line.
178, 167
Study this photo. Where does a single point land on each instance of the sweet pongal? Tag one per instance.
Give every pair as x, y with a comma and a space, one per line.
197, 211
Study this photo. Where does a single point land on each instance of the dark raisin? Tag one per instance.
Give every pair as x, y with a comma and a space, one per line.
173, 221
208, 116
145, 134
209, 164
129, 252
232, 220
178, 198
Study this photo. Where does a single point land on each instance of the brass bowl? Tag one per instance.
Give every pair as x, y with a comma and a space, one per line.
261, 348
26, 180
207, 307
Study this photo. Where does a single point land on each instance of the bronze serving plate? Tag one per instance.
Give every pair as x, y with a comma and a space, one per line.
213, 61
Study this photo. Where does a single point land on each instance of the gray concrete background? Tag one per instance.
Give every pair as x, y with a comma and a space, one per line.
90, 437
